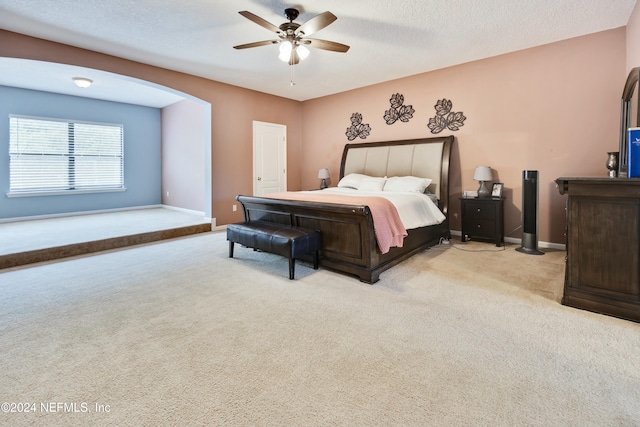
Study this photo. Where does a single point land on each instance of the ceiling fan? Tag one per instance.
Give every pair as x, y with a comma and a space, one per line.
293, 37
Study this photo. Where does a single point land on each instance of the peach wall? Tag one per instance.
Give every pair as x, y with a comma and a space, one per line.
633, 39
553, 108
233, 110
183, 155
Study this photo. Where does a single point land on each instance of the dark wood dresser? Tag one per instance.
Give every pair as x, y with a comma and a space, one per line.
603, 245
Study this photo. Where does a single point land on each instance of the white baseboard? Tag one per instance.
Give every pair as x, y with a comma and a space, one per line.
99, 211
189, 211
67, 214
192, 212
547, 245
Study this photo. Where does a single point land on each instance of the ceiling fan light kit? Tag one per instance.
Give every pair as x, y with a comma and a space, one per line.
293, 37
82, 82
286, 48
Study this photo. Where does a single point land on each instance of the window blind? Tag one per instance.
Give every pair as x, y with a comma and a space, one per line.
62, 155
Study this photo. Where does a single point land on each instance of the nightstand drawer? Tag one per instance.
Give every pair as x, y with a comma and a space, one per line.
481, 227
479, 210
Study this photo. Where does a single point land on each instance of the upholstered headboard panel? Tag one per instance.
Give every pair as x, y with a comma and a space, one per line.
426, 158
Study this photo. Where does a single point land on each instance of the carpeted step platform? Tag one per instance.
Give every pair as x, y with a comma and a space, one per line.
75, 249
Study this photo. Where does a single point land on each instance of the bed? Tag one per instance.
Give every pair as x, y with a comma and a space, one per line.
349, 244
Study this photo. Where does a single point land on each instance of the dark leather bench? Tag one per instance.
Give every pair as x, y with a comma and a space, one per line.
287, 241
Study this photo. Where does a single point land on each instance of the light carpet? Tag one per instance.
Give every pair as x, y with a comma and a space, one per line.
38, 234
177, 333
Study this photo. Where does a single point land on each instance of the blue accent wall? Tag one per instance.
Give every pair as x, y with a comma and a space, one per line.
142, 151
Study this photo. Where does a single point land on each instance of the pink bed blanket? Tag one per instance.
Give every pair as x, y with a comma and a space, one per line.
389, 230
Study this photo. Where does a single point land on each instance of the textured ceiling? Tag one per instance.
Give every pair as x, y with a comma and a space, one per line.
389, 39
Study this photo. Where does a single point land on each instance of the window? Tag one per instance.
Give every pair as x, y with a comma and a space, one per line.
50, 155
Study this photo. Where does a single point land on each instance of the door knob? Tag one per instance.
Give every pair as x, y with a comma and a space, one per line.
259, 179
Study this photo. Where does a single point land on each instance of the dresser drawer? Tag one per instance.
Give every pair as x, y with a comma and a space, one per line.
479, 210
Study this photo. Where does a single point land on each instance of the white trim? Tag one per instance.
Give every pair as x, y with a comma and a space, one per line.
189, 211
100, 211
48, 156
546, 245
58, 119
67, 214
63, 192
192, 212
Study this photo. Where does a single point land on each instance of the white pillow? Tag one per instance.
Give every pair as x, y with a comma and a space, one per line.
352, 180
372, 184
407, 183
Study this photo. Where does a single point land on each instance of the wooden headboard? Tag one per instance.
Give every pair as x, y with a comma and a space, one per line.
425, 158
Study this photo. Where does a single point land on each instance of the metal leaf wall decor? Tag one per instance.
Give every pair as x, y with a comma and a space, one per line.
445, 118
398, 111
357, 128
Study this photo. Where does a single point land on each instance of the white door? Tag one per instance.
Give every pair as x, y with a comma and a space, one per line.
269, 158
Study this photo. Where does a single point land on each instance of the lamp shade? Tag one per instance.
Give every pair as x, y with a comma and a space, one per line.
323, 174
483, 173
285, 51
303, 52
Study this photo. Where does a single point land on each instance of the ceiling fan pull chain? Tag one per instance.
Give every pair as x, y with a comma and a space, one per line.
292, 82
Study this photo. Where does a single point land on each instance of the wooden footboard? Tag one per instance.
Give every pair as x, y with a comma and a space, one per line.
348, 238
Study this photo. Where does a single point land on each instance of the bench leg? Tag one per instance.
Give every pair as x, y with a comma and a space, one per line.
315, 260
292, 268
230, 249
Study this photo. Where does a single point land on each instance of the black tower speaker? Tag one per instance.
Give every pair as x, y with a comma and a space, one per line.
530, 213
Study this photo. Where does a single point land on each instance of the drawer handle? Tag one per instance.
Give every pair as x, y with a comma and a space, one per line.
478, 210
479, 226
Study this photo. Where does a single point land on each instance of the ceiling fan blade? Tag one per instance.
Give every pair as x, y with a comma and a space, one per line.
317, 23
263, 23
326, 45
256, 44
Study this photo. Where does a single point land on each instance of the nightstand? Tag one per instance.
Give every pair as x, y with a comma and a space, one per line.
483, 219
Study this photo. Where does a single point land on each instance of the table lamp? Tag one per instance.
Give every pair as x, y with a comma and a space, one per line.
483, 173
323, 174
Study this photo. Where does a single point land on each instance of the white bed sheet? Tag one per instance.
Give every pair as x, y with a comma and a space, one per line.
415, 209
